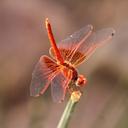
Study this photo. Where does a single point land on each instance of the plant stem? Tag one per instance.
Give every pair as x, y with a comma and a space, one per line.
65, 118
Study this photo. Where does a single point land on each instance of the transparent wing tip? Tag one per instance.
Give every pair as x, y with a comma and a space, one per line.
113, 32
110, 31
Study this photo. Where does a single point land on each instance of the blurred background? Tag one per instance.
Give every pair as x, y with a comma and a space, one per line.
23, 39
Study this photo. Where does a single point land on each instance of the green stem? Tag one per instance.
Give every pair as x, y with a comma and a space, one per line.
65, 118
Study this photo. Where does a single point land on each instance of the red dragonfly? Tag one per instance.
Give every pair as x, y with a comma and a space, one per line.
60, 70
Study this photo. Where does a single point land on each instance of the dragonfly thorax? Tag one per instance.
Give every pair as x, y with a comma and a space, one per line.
74, 72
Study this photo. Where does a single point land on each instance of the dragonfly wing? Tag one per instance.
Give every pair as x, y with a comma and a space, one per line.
95, 40
76, 50
44, 72
58, 87
71, 43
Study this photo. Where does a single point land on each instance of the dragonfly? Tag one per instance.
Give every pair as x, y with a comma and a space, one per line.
60, 70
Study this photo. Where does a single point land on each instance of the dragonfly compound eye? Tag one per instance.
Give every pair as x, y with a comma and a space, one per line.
81, 81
